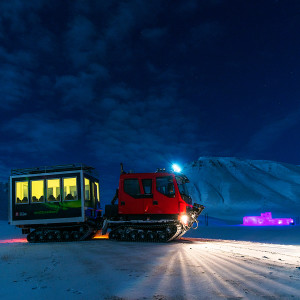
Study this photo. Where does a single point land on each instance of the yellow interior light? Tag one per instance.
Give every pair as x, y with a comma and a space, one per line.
37, 190
98, 192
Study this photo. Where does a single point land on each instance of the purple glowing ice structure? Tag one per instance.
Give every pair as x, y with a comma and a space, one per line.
265, 219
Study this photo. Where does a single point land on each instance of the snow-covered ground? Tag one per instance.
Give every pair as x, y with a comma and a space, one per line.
198, 266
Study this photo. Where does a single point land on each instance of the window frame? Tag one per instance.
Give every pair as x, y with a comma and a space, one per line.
167, 195
140, 195
90, 192
60, 185
28, 198
63, 185
151, 186
34, 202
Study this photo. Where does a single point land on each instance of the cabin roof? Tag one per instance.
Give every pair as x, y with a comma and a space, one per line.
52, 169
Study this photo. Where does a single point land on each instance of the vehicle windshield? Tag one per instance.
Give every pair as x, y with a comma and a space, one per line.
182, 183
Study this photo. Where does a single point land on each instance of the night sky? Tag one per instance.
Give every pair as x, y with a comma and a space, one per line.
147, 83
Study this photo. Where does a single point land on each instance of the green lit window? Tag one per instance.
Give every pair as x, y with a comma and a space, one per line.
37, 191
53, 190
87, 189
21, 192
70, 188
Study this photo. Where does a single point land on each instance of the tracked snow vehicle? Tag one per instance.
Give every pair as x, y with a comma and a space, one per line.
151, 207
62, 203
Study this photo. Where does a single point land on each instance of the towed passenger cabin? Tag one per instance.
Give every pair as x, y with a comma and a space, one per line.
53, 195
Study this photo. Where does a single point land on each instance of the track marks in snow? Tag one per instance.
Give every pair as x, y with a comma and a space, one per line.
243, 277
208, 269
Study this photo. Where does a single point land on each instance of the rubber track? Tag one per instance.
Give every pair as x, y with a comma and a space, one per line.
88, 234
177, 230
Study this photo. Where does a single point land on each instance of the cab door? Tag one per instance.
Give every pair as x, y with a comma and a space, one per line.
165, 197
131, 199
147, 184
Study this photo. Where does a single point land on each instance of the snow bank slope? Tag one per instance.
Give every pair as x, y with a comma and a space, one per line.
231, 187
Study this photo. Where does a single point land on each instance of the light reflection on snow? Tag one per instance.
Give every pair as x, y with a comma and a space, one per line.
24, 240
221, 269
11, 241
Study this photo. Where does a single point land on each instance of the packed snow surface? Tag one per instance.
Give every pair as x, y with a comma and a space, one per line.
189, 268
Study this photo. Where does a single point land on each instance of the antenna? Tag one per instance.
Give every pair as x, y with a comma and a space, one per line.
122, 169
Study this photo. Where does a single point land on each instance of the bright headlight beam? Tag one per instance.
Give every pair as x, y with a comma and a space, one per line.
176, 168
184, 219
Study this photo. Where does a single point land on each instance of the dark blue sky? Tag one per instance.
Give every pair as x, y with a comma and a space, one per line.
147, 82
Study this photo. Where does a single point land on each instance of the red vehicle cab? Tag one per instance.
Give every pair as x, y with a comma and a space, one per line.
152, 207
153, 194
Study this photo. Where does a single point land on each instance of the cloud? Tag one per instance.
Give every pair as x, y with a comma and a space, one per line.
154, 33
4, 172
78, 91
121, 91
108, 104
192, 6
88, 78
80, 41
143, 133
15, 85
189, 6
39, 133
272, 132
206, 32
124, 20
19, 14
18, 70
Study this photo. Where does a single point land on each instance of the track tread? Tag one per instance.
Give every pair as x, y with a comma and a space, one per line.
39, 235
177, 229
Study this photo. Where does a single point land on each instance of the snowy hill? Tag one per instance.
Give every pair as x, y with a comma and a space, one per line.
231, 188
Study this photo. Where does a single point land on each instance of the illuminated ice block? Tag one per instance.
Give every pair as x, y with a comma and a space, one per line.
265, 219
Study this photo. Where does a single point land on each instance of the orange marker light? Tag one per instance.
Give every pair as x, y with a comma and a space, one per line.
100, 236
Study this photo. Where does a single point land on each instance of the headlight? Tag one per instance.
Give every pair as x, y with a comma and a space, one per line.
184, 219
